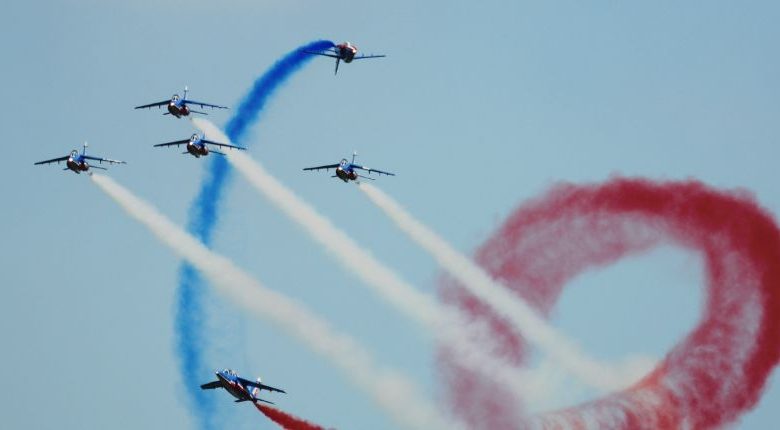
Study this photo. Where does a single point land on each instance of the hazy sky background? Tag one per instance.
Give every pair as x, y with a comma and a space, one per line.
478, 107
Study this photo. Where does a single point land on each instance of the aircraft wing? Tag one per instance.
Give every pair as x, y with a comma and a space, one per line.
370, 170
54, 160
159, 104
211, 385
174, 143
201, 104
363, 57
327, 53
248, 383
107, 160
327, 166
223, 145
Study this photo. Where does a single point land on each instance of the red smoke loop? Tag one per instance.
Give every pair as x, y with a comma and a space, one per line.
285, 420
710, 377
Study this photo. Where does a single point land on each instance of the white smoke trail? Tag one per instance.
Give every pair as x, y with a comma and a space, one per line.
391, 391
464, 339
509, 306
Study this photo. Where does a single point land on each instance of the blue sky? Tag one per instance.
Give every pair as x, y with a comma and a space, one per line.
478, 107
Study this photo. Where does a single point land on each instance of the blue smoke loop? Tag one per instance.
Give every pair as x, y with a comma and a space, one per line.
192, 338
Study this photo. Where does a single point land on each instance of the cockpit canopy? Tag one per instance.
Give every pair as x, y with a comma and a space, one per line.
175, 97
343, 162
74, 153
194, 137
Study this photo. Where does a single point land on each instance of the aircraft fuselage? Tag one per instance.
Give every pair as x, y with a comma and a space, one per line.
77, 166
178, 111
234, 388
346, 52
346, 175
197, 150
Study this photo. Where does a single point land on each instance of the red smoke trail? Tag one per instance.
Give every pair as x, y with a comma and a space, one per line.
285, 420
714, 374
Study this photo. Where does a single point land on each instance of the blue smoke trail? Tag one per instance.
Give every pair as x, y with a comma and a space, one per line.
190, 324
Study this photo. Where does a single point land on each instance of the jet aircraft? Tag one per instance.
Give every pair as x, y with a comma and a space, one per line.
78, 162
178, 106
345, 52
346, 170
196, 145
242, 389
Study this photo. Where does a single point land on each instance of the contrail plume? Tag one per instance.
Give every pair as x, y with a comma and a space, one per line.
507, 305
421, 307
285, 420
192, 337
460, 335
717, 371
398, 396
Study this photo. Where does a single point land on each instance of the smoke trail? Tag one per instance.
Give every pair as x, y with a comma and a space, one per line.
460, 335
254, 102
285, 420
190, 326
505, 304
390, 390
420, 306
715, 373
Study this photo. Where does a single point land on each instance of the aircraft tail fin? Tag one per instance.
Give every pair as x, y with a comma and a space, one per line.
84, 149
256, 390
185, 92
354, 154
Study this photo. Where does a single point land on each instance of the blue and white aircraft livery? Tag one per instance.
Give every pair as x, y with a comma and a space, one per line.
242, 389
178, 106
346, 171
196, 145
78, 162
